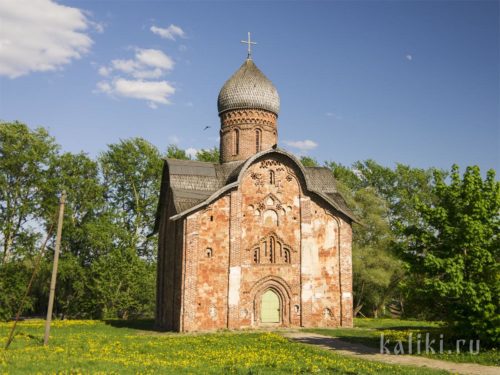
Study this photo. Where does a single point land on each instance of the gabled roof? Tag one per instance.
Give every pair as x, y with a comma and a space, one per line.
195, 184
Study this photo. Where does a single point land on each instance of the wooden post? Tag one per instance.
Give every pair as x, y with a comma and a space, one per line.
54, 268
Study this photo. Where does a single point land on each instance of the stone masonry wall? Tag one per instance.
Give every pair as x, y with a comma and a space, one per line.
267, 235
246, 122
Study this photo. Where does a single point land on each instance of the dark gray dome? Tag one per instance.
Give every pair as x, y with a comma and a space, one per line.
248, 88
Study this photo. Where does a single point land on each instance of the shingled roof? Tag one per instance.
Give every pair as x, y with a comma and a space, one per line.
194, 184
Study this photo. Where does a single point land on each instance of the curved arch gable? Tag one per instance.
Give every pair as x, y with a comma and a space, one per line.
303, 176
241, 170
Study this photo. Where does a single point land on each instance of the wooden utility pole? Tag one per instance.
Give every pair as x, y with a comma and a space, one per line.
54, 268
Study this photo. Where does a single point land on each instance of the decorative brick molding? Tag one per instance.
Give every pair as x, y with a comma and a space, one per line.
240, 130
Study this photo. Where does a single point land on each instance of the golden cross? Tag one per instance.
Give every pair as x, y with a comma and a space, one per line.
249, 43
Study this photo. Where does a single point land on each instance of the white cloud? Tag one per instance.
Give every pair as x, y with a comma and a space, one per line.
156, 92
173, 139
98, 27
154, 58
170, 32
126, 66
138, 78
148, 74
39, 36
409, 57
191, 152
103, 71
305, 145
104, 87
334, 115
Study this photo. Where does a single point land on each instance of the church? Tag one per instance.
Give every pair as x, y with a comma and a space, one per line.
256, 240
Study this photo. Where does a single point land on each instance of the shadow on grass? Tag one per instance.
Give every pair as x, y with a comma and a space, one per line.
138, 324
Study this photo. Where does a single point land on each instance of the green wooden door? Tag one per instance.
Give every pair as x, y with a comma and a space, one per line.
270, 311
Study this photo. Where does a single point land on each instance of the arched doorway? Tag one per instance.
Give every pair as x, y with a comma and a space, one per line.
270, 311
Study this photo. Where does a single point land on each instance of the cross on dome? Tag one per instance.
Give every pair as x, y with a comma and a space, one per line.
249, 43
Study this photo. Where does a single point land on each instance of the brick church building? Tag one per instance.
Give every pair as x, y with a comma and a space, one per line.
257, 239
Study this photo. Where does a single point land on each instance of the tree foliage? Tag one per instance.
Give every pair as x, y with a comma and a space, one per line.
132, 170
25, 156
455, 247
376, 269
210, 155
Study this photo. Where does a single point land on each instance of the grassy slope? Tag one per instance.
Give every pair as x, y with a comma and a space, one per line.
93, 346
368, 332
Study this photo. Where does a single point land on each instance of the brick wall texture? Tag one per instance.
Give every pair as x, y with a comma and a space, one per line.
243, 127
267, 234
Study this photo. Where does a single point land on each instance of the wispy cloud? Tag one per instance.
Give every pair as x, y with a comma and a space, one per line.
173, 139
333, 115
409, 57
303, 146
138, 78
171, 32
40, 36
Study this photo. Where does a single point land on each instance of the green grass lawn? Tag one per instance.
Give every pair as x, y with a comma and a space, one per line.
368, 332
121, 348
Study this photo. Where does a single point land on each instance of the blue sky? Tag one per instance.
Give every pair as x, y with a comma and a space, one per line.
415, 82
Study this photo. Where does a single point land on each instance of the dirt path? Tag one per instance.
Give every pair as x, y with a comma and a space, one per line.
365, 352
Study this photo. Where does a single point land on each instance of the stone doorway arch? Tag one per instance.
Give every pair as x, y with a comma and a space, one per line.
273, 294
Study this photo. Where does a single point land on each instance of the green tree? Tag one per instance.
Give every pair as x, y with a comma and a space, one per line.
210, 155
132, 172
25, 156
307, 161
123, 285
455, 247
174, 152
376, 269
79, 176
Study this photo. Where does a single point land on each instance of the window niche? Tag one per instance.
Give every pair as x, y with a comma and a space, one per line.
209, 252
258, 140
236, 142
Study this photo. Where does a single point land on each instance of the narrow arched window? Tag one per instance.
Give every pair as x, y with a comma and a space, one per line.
258, 140
287, 256
272, 178
236, 142
256, 254
271, 249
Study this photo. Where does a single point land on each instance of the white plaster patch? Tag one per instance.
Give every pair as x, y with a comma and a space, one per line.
346, 295
317, 224
234, 285
296, 201
307, 291
306, 229
307, 264
329, 234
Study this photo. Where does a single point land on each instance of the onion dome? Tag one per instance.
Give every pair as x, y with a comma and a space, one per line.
248, 88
